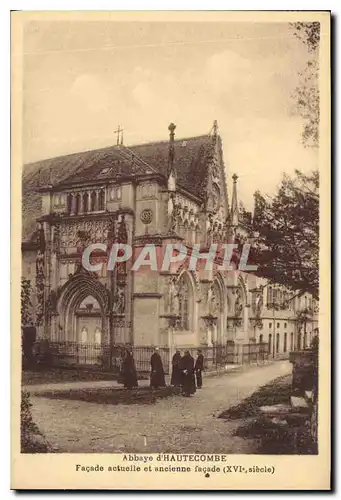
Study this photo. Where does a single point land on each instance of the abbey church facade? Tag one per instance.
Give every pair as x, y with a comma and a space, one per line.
173, 191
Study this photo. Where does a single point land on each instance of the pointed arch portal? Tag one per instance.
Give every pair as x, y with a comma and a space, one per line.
83, 310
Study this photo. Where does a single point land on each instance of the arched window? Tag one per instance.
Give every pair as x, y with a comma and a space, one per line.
85, 203
291, 341
185, 302
270, 342
101, 200
277, 343
261, 338
84, 335
285, 342
69, 203
93, 201
77, 203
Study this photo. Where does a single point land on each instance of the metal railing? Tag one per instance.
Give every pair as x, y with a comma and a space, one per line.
105, 356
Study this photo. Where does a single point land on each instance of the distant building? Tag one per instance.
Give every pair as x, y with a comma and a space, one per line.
162, 192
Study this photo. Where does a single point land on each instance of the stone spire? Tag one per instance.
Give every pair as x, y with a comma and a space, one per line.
234, 202
215, 129
171, 173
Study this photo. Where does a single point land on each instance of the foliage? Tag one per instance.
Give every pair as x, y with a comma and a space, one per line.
307, 95
276, 392
309, 33
286, 247
26, 304
32, 440
40, 288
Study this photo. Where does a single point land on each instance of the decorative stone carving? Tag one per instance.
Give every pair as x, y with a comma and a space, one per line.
146, 216
170, 206
119, 302
238, 305
259, 304
84, 232
172, 296
148, 191
174, 219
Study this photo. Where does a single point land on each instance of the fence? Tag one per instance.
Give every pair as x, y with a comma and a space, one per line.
104, 356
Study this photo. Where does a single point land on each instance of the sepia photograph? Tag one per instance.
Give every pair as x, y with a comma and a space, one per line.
170, 172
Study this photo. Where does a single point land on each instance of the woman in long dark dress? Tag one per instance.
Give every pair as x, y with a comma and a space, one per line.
157, 374
176, 370
129, 374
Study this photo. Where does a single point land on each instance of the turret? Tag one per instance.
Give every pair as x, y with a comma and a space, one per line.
234, 203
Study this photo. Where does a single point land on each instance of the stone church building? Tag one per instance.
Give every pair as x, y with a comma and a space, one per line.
173, 191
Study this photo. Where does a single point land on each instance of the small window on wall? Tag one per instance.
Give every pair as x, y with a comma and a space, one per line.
285, 325
115, 193
285, 342
77, 203
278, 325
101, 200
93, 199
270, 325
270, 295
85, 202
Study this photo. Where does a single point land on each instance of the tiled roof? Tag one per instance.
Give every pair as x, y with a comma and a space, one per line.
192, 156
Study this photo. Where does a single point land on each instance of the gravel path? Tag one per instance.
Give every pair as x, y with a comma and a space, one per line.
175, 424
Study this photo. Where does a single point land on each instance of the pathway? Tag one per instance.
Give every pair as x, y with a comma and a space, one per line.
174, 424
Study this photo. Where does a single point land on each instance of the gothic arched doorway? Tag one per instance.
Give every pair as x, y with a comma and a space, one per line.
83, 310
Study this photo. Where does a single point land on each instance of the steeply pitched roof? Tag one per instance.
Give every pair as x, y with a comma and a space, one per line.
192, 156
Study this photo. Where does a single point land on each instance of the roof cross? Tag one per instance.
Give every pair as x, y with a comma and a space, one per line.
118, 132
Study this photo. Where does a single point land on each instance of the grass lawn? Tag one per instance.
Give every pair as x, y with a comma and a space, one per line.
56, 375
275, 436
105, 395
277, 391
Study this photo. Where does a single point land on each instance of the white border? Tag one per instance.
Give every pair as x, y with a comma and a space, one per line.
5, 7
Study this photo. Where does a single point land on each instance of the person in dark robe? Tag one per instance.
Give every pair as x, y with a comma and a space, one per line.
157, 374
187, 374
129, 375
176, 371
198, 368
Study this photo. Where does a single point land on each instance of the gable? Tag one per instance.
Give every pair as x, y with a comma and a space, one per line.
192, 157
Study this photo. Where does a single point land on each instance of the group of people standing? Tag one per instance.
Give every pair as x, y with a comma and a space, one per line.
186, 373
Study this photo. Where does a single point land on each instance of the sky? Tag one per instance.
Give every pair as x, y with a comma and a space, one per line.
84, 78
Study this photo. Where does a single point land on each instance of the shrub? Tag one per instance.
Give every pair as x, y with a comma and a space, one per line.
32, 440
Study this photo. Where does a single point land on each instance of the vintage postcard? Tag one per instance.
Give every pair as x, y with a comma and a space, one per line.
170, 210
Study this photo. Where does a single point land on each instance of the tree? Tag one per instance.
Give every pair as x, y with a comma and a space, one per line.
307, 94
26, 305
286, 228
